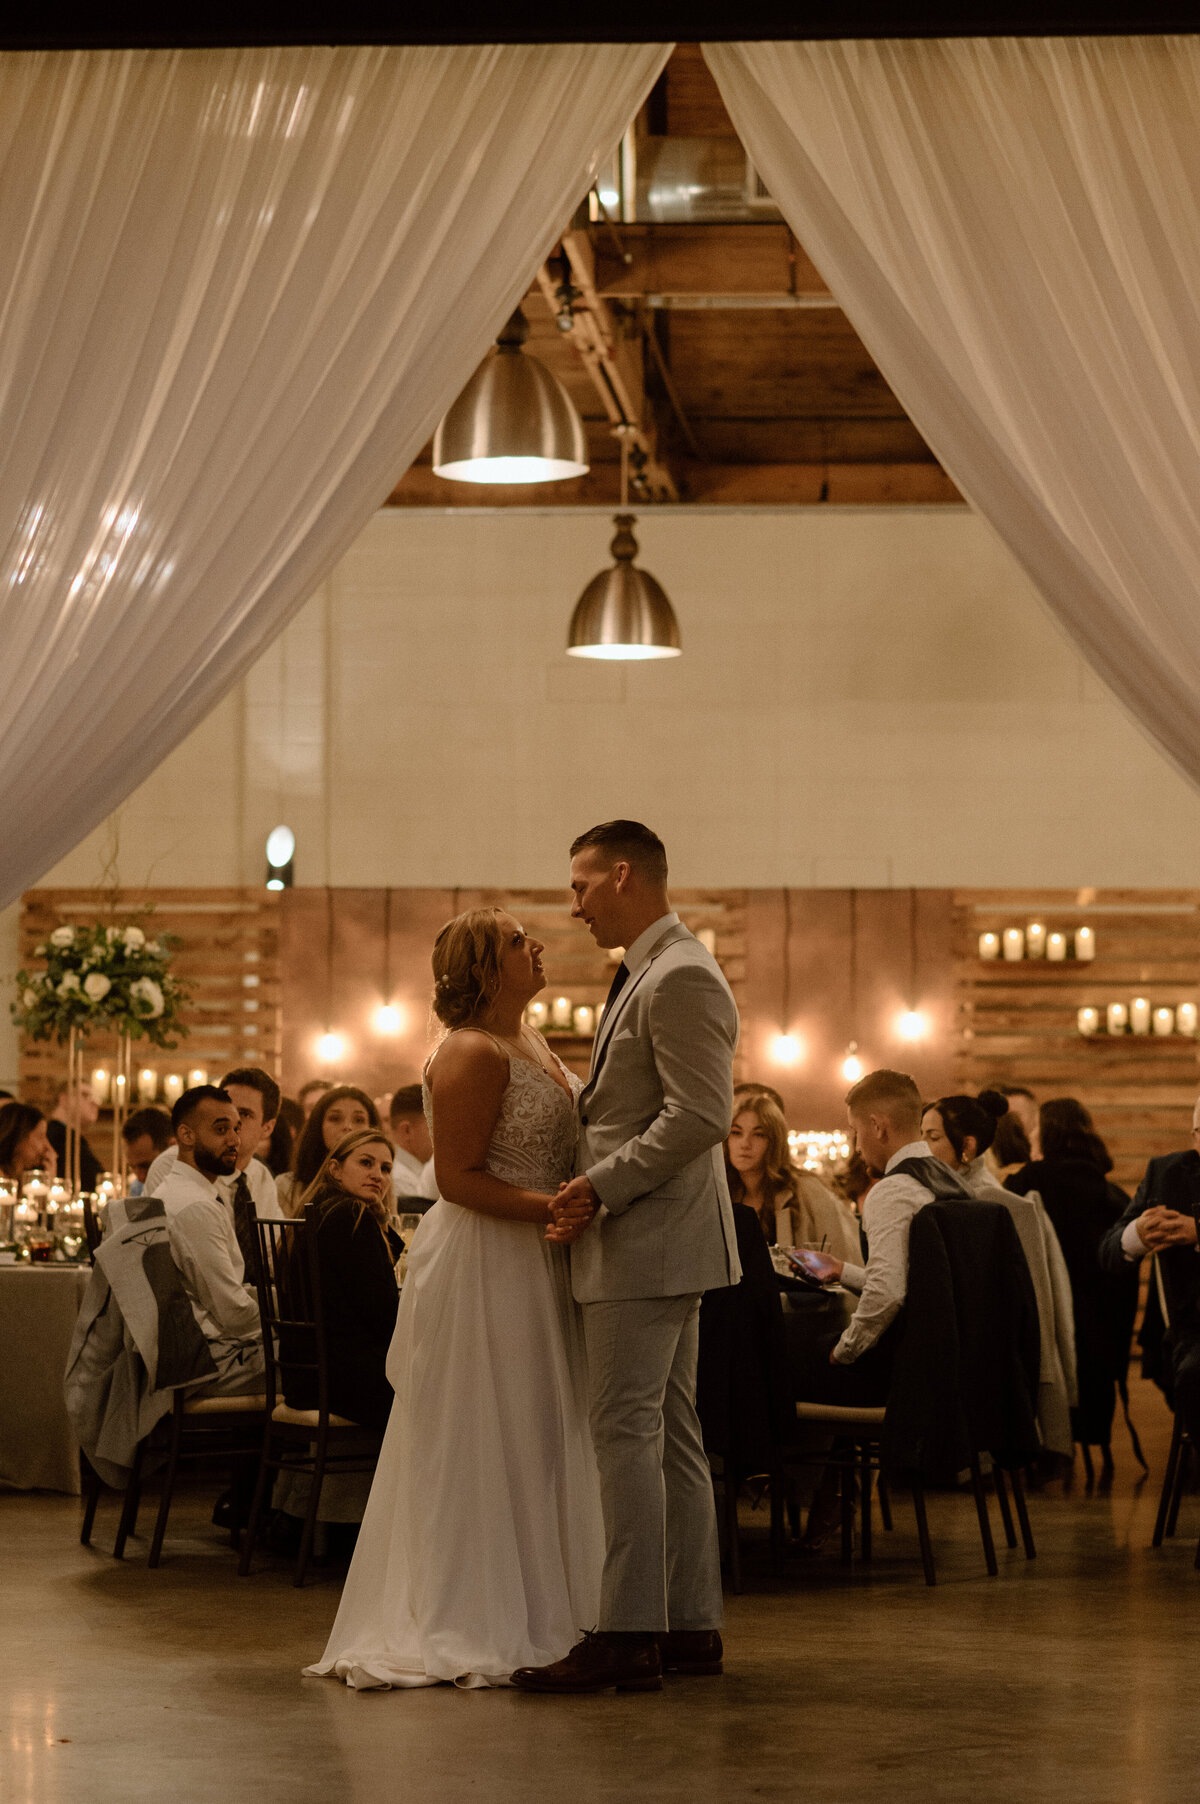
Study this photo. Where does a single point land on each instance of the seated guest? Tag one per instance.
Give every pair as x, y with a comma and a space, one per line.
756, 1089
853, 1181
1010, 1149
70, 1118
347, 1205
1024, 1105
959, 1130
249, 1190
309, 1094
1071, 1177
884, 1110
146, 1133
413, 1177
203, 1239
276, 1152
23, 1143
1161, 1220
793, 1207
337, 1112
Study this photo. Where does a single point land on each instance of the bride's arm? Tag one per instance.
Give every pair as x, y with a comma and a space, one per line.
467, 1081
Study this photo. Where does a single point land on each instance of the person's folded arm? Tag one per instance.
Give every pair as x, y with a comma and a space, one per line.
693, 1033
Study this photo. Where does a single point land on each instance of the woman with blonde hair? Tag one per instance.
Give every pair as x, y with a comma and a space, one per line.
482, 1546
794, 1208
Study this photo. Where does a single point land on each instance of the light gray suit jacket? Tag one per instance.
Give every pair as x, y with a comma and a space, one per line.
653, 1117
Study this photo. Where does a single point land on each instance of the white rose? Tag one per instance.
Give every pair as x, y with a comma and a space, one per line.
69, 983
96, 986
135, 939
62, 936
31, 999
144, 989
112, 935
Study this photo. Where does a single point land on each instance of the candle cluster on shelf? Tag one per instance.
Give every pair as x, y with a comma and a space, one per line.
1139, 1017
562, 1016
819, 1152
109, 1087
1036, 941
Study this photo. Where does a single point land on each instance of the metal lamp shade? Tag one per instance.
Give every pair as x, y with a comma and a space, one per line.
513, 423
624, 613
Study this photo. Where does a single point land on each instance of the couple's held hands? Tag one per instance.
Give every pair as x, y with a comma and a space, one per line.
571, 1211
1159, 1228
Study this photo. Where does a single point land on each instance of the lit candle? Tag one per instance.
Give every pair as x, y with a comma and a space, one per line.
536, 1014
172, 1087
1118, 1017
1139, 1015
1185, 1018
101, 1085
1014, 944
1056, 947
561, 1011
1085, 943
147, 1085
119, 1089
1088, 1020
1164, 1021
197, 1075
585, 1020
1035, 940
989, 945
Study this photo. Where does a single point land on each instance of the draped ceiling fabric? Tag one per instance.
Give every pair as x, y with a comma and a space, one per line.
239, 288
1013, 228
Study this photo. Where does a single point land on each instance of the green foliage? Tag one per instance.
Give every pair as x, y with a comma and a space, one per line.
102, 977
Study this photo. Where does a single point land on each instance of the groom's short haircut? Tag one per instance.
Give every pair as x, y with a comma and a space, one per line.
628, 842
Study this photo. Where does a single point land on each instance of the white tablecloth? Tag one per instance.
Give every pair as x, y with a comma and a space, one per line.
38, 1307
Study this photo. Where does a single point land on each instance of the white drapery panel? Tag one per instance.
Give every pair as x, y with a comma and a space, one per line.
239, 287
1013, 228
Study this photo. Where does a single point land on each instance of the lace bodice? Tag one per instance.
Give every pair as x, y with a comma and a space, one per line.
533, 1145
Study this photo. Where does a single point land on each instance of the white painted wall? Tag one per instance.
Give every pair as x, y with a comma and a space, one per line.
866, 696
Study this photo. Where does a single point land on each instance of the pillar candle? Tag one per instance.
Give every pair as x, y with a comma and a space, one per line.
101, 1085
536, 1014
1085, 943
1056, 947
585, 1020
147, 1084
197, 1075
1035, 940
1014, 944
989, 945
1139, 1015
1088, 1020
1118, 1017
1185, 1018
172, 1087
119, 1088
561, 1011
1164, 1021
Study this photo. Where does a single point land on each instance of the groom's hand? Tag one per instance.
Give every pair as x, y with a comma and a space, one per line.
571, 1211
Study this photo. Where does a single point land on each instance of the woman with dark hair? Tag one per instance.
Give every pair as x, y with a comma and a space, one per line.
24, 1144
1011, 1149
959, 1131
338, 1112
1071, 1177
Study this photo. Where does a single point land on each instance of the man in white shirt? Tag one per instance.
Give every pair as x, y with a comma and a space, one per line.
884, 1110
203, 1239
412, 1168
249, 1189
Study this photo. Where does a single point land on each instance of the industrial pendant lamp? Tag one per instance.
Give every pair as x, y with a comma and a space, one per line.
624, 613
513, 423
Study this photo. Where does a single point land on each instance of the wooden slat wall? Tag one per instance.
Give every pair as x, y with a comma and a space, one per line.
1016, 1023
228, 959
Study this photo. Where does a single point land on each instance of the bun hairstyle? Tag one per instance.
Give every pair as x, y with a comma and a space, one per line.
973, 1116
466, 966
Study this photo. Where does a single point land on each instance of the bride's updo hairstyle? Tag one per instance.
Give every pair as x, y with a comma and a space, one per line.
466, 966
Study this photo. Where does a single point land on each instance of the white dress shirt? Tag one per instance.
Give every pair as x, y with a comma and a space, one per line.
638, 954
205, 1249
412, 1176
262, 1185
882, 1283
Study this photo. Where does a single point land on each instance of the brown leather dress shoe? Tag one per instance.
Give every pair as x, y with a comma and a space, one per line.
599, 1662
691, 1650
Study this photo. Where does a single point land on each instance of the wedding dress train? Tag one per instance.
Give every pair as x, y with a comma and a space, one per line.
482, 1545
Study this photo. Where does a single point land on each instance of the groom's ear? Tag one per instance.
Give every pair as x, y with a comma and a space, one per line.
621, 875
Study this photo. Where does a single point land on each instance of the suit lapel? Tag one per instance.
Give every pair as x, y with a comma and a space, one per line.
607, 1026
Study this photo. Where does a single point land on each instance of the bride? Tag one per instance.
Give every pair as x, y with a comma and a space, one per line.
482, 1545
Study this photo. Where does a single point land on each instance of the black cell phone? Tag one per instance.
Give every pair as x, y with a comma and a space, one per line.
801, 1271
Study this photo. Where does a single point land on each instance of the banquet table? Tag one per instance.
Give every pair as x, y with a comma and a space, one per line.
38, 1307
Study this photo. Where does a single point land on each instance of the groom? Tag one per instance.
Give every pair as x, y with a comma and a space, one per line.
657, 1231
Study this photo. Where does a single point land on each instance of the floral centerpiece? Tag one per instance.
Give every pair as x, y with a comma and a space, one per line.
112, 978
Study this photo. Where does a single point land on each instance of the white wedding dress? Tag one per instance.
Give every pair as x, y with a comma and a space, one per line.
482, 1545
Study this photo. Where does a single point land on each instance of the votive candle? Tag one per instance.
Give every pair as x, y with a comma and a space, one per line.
1185, 1018
101, 1085
585, 1020
147, 1084
536, 1014
172, 1087
197, 1075
1014, 944
1035, 940
1139, 1015
561, 1012
1118, 1017
1164, 1021
1088, 1020
1056, 947
1085, 943
989, 945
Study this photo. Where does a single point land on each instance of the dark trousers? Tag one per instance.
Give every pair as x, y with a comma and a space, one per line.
1185, 1366
863, 1385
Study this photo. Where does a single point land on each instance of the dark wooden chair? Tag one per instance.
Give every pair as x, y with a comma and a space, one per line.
1179, 1460
314, 1441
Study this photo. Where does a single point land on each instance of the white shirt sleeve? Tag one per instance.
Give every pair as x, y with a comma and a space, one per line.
1132, 1244
887, 1217
204, 1247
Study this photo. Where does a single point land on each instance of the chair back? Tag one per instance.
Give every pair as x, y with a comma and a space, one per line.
93, 1227
288, 1282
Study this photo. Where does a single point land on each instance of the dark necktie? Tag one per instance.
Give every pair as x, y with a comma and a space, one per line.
617, 985
243, 1225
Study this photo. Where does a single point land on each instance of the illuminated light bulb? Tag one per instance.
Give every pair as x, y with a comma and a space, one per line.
912, 1025
331, 1047
785, 1049
852, 1065
388, 1019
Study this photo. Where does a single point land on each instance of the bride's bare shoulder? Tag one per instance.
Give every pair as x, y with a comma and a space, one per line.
467, 1052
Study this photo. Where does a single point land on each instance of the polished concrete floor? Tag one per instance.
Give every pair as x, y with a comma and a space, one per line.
1073, 1677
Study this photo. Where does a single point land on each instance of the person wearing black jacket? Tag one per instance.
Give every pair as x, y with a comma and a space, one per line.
1161, 1220
346, 1207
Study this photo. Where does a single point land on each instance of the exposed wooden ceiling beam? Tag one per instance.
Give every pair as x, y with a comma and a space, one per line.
756, 260
727, 485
